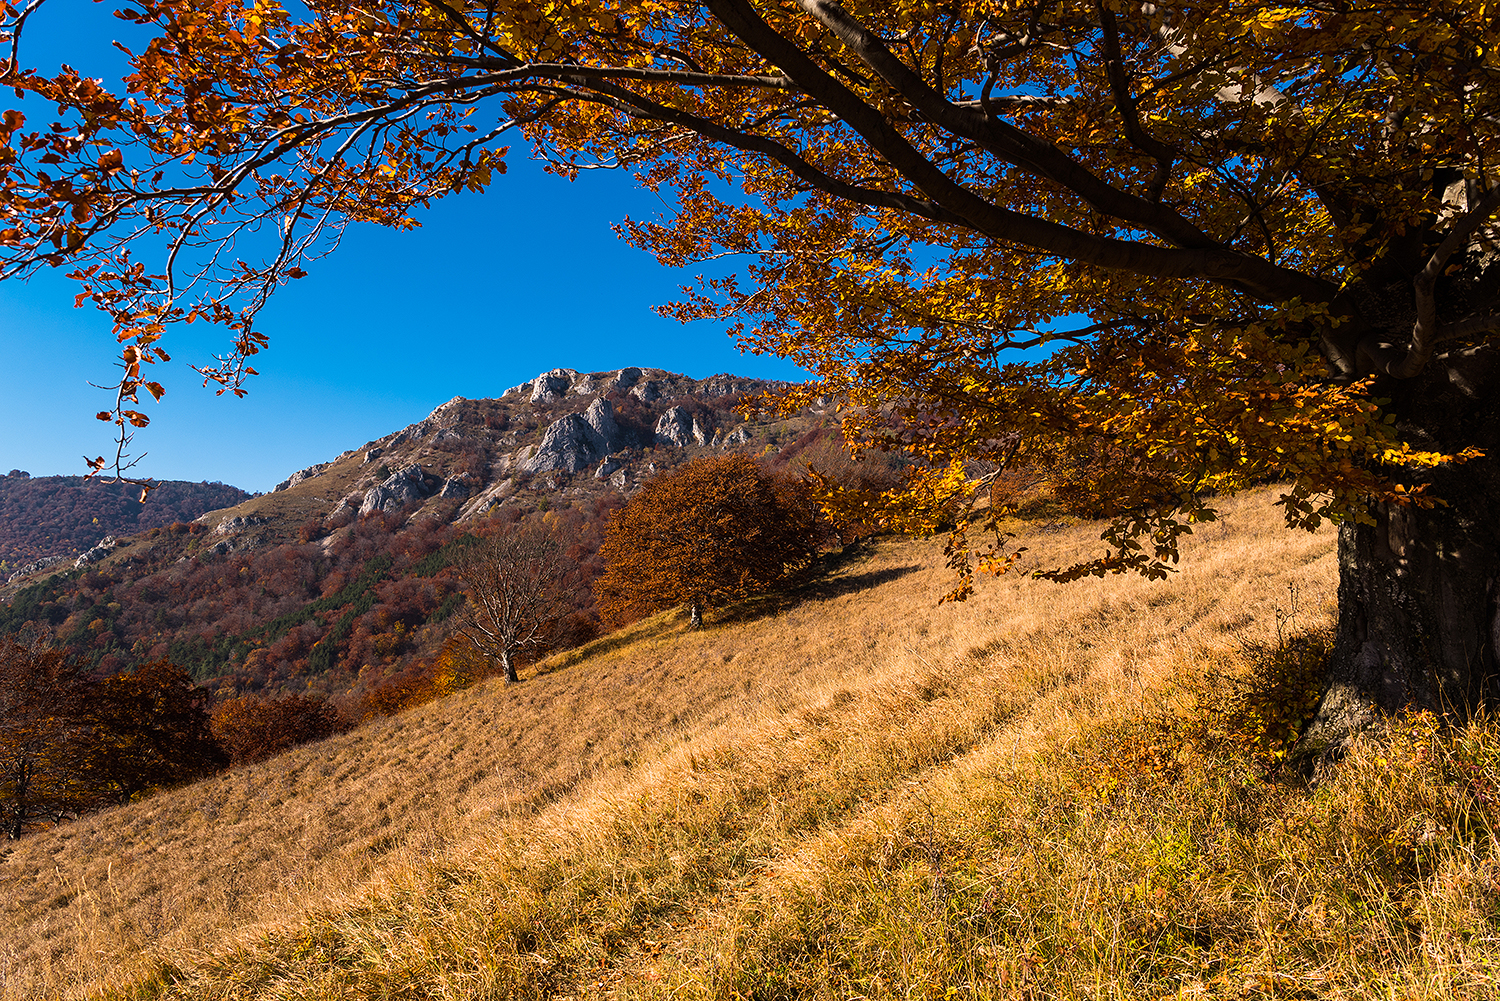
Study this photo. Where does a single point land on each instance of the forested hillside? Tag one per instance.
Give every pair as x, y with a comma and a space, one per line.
44, 516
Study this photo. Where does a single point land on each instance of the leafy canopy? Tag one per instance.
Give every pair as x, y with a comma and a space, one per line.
1210, 237
716, 530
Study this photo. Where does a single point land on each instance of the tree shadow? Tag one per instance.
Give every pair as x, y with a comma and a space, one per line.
828, 582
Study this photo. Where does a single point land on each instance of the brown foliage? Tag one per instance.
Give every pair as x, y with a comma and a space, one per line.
717, 530
70, 744
148, 728
249, 729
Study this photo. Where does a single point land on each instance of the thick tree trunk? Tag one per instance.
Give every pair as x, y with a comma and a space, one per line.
509, 667
1419, 623
695, 615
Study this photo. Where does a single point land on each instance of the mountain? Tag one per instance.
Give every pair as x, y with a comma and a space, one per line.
52, 516
336, 582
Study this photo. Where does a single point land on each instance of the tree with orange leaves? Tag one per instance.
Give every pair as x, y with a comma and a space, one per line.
1224, 243
716, 530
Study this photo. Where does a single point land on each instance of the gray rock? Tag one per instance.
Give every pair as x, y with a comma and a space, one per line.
623, 380
374, 454
724, 385
647, 392
456, 487
618, 480
576, 442
235, 525
585, 386
103, 548
300, 475
567, 446
739, 436
601, 417
398, 490
34, 566
676, 427
606, 467
409, 433
553, 385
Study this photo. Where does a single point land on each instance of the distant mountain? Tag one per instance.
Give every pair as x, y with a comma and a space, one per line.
44, 516
337, 581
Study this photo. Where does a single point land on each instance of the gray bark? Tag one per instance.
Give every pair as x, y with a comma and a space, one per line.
1419, 622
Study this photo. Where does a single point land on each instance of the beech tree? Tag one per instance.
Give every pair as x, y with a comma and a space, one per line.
716, 530
141, 730
1219, 243
38, 732
520, 583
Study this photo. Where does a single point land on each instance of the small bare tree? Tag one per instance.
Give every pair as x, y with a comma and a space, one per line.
519, 585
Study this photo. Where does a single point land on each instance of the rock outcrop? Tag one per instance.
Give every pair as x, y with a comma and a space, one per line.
235, 525
300, 475
457, 487
103, 548
576, 442
403, 487
678, 427
35, 566
739, 436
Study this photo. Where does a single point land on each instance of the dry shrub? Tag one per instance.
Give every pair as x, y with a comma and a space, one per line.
253, 729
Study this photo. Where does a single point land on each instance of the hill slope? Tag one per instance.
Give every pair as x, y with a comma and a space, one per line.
336, 582
646, 809
42, 516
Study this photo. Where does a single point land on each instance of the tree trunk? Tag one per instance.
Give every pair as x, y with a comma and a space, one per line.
695, 615
1419, 622
509, 667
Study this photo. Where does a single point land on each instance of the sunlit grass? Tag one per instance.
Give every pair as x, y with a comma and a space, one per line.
1047, 792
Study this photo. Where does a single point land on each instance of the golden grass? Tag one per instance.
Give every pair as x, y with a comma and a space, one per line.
1029, 795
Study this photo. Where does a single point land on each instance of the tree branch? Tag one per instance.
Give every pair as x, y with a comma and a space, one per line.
1125, 104
1251, 274
1424, 334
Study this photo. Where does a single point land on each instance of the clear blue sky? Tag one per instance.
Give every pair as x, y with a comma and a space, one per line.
492, 290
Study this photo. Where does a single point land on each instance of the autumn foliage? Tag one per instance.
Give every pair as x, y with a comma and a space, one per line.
70, 743
717, 530
250, 729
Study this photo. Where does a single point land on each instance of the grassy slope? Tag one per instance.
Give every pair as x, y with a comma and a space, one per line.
860, 795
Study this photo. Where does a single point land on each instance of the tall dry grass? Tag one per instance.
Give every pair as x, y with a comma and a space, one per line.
1045, 792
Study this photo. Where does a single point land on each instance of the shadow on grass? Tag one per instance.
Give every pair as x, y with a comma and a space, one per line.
660, 624
829, 581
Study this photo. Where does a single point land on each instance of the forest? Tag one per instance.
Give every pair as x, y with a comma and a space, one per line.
56, 515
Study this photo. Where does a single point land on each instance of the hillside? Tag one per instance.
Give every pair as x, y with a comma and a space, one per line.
1044, 792
336, 582
49, 516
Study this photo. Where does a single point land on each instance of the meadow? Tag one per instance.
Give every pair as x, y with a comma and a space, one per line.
1049, 791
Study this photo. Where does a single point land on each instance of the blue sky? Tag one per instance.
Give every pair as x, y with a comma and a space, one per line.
493, 289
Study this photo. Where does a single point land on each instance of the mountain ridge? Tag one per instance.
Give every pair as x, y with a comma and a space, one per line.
335, 583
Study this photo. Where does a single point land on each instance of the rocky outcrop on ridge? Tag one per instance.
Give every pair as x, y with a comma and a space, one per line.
678, 427
36, 565
563, 434
400, 489
576, 442
300, 475
103, 548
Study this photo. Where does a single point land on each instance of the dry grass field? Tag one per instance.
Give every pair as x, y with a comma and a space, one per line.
1046, 792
